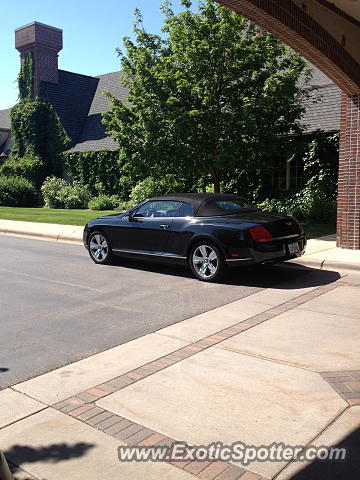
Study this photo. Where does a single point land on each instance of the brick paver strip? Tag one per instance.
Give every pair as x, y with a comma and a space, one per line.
90, 413
78, 411
213, 470
155, 439
179, 463
108, 422
99, 418
250, 476
128, 431
231, 473
346, 384
196, 467
117, 427
69, 408
140, 436
107, 388
87, 397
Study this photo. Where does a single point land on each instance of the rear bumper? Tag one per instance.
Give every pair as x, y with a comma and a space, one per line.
269, 252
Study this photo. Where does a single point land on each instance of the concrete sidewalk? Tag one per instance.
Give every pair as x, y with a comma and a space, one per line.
281, 365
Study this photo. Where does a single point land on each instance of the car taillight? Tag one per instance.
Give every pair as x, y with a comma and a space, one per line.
260, 234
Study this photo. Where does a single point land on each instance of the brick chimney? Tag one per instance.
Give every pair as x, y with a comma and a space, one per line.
44, 42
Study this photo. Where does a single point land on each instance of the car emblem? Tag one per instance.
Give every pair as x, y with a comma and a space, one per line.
288, 224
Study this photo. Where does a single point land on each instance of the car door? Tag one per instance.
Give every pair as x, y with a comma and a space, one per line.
149, 227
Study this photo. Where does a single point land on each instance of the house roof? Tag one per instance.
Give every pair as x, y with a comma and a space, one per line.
323, 109
71, 98
93, 136
4, 119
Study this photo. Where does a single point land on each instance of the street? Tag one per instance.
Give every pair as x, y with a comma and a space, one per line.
57, 306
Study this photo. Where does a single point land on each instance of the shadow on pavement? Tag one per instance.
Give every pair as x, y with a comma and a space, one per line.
336, 470
281, 276
3, 370
58, 452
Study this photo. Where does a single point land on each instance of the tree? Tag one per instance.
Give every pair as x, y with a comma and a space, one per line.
212, 96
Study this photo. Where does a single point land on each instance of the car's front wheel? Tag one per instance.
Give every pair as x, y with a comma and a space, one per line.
99, 248
207, 262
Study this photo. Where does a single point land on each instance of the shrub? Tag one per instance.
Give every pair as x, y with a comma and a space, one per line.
145, 189
17, 192
308, 204
151, 187
51, 192
30, 167
104, 202
58, 194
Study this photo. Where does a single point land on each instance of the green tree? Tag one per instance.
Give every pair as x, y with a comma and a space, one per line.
212, 96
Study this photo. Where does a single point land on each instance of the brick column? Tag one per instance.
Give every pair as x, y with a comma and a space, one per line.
348, 216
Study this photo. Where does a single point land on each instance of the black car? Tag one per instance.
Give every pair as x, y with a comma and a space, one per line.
209, 232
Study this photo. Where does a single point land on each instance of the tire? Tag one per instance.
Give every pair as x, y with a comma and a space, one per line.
214, 266
99, 248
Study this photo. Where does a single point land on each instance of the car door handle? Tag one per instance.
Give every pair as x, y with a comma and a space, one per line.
164, 226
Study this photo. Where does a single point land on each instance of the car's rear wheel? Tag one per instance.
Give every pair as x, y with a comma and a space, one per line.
99, 248
207, 262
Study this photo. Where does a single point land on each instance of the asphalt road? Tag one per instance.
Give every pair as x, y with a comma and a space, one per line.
57, 306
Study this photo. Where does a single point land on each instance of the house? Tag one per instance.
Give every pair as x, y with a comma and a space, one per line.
79, 102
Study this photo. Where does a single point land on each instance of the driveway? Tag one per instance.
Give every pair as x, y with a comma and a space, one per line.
57, 306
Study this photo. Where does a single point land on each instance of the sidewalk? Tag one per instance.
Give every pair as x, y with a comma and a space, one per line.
280, 365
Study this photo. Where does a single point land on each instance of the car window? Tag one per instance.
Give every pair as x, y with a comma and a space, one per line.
233, 204
186, 210
160, 208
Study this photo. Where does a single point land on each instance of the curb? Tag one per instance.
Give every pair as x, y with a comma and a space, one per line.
39, 231
327, 264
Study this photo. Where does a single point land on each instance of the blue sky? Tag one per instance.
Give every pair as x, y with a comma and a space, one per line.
92, 29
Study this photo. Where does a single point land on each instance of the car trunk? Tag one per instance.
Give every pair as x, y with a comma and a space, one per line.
277, 225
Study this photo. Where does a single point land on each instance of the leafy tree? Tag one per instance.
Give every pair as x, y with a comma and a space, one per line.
209, 98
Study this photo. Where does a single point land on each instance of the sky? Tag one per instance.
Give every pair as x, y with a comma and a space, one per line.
92, 29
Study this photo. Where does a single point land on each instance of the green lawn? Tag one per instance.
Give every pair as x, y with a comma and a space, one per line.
51, 215
315, 230
80, 217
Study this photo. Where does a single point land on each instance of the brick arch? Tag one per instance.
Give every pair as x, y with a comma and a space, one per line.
293, 26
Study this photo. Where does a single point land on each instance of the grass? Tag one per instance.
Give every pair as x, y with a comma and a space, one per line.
315, 230
80, 217
51, 215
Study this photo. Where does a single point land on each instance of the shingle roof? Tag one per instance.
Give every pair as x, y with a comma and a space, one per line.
93, 136
323, 105
71, 98
4, 119
323, 109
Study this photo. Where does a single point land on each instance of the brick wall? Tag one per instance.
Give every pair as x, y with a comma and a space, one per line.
348, 221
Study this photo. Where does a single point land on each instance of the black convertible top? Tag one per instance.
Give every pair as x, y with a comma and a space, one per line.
203, 203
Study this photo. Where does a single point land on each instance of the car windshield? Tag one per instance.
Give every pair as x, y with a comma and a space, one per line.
226, 206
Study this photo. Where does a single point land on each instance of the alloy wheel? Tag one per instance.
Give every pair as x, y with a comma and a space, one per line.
205, 261
99, 248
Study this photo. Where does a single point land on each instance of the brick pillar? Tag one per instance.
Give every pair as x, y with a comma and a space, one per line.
348, 216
